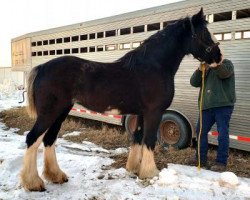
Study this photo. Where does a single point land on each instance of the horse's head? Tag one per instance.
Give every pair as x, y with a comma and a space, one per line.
203, 45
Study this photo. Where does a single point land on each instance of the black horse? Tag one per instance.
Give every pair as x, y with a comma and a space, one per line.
141, 83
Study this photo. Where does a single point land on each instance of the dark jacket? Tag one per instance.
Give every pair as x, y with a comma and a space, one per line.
219, 87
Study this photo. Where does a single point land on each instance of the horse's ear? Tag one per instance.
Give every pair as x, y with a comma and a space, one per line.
199, 17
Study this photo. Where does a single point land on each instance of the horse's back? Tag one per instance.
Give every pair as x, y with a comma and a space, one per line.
95, 85
55, 80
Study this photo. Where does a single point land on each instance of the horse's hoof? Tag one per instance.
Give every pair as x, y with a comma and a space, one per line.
58, 177
133, 168
42, 189
133, 171
148, 173
34, 184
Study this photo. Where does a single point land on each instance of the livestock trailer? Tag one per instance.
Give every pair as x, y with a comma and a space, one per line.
110, 38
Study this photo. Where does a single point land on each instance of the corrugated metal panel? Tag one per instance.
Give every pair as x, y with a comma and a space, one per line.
125, 23
230, 26
173, 7
238, 51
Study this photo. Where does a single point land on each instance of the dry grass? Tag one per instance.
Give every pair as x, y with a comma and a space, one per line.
238, 162
108, 137
111, 137
17, 118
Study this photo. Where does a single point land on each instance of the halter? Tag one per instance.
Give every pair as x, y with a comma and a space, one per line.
194, 36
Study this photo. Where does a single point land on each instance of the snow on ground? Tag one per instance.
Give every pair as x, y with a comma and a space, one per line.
91, 177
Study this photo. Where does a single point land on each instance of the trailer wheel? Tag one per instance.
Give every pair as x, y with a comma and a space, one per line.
131, 124
174, 131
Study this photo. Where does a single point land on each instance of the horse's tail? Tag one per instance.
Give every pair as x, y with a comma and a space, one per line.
31, 108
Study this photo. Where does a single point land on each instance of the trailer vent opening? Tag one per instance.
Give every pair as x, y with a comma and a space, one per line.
59, 40
246, 34
222, 16
92, 49
52, 52
92, 36
52, 41
245, 13
100, 35
242, 35
136, 44
84, 50
59, 52
84, 37
139, 29
110, 33
75, 38
168, 22
66, 39
75, 50
66, 51
154, 27
125, 46
99, 48
39, 43
125, 31
110, 47
45, 42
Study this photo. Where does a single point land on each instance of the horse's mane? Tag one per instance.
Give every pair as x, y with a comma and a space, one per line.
164, 37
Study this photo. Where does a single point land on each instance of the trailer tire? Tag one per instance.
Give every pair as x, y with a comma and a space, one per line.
174, 131
131, 124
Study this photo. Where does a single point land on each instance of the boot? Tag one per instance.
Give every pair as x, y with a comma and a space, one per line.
219, 167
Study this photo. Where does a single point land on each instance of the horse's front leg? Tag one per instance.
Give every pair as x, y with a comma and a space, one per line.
135, 153
148, 167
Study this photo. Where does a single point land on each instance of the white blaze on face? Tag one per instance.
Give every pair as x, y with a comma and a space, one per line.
111, 111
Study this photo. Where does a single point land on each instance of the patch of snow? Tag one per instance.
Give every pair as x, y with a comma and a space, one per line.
119, 151
228, 179
92, 177
74, 133
167, 177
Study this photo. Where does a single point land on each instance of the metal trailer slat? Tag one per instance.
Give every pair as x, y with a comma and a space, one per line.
80, 111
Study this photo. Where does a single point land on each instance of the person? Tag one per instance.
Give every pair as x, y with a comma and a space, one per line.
218, 104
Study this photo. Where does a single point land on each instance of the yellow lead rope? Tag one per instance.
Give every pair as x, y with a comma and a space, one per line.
201, 105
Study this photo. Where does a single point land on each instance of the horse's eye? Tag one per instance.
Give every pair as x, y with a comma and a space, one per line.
209, 49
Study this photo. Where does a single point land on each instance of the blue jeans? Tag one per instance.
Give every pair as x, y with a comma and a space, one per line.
221, 116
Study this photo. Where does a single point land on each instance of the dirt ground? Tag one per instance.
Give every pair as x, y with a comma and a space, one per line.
111, 137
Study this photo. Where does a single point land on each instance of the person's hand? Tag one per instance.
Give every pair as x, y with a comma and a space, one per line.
213, 65
206, 66
217, 64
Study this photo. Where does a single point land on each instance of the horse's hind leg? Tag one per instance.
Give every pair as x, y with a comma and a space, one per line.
51, 171
135, 153
30, 179
148, 167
